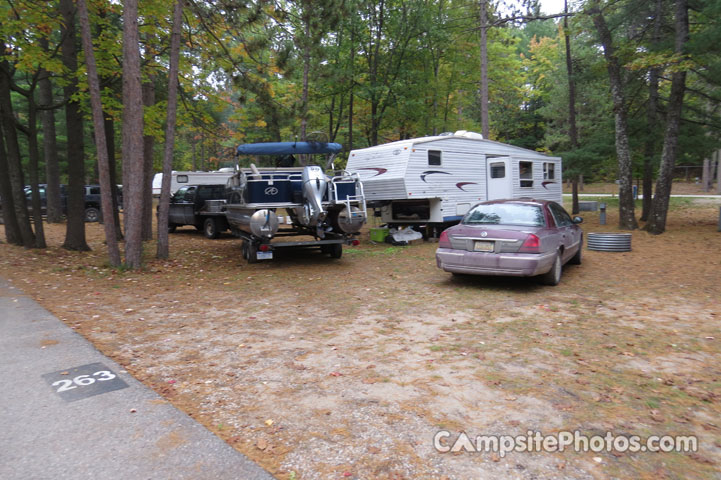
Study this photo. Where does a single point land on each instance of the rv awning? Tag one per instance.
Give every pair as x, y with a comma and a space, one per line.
288, 148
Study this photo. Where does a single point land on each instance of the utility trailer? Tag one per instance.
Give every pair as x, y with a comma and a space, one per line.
330, 208
435, 180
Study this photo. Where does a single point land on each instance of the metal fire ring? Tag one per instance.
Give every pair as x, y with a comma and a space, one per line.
609, 242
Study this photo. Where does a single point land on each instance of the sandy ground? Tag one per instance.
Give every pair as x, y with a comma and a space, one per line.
320, 368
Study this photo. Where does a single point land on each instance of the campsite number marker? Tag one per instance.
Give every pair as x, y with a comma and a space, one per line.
84, 381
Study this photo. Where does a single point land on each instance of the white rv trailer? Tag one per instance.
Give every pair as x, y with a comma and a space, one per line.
178, 179
436, 180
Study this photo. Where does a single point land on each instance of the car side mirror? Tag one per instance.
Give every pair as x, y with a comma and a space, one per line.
577, 220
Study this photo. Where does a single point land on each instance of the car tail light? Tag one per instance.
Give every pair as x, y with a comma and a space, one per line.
444, 241
264, 247
355, 242
531, 245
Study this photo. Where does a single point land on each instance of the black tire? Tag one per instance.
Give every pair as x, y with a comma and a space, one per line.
252, 253
172, 228
210, 228
576, 259
92, 214
553, 276
336, 250
325, 248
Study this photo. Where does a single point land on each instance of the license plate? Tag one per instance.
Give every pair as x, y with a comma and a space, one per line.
483, 246
265, 255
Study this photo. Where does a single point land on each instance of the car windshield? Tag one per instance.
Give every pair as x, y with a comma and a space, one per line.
505, 214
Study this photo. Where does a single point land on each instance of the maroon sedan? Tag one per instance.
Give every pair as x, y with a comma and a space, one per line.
522, 238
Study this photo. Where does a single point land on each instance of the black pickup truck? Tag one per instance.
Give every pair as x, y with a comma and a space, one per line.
202, 206
92, 200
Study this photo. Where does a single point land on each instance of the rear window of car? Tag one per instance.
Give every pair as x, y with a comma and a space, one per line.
505, 214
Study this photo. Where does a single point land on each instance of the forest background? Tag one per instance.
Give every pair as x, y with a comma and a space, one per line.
623, 90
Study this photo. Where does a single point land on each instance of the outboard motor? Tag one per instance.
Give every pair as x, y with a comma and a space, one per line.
314, 187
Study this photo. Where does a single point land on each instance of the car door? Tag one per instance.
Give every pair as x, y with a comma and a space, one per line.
176, 211
566, 229
189, 205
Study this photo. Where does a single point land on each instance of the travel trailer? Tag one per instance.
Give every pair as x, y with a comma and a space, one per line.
436, 180
179, 179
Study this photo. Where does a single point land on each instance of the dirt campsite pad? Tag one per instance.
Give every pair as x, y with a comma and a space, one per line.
319, 368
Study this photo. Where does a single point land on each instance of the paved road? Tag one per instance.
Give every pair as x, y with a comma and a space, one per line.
58, 421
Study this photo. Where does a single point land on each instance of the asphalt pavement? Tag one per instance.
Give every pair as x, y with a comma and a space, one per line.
69, 412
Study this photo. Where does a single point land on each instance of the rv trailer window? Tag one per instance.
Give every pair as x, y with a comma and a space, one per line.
181, 179
549, 172
434, 157
498, 170
525, 170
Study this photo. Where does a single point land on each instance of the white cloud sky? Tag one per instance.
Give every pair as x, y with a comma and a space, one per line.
554, 6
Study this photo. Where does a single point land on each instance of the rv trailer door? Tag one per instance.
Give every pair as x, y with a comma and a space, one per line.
498, 178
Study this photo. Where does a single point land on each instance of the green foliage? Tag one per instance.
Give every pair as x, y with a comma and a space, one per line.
411, 68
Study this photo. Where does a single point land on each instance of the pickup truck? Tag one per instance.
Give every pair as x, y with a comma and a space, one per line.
202, 206
92, 201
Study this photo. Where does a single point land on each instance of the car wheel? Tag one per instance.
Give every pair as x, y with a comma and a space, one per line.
553, 276
92, 214
336, 250
576, 259
252, 253
210, 228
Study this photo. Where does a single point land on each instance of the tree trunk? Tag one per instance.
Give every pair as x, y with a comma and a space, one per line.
148, 143
706, 175
163, 242
14, 163
50, 149
75, 228
627, 219
575, 206
193, 144
106, 191
373, 74
12, 230
485, 129
306, 74
649, 152
33, 166
649, 149
659, 209
351, 87
652, 121
572, 130
109, 128
132, 137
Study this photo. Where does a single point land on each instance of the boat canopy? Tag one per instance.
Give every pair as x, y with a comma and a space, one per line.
288, 148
